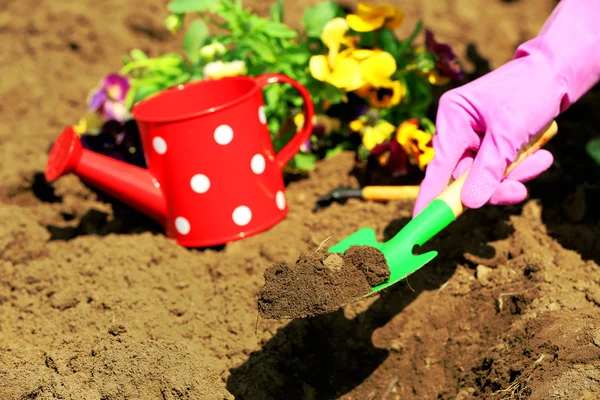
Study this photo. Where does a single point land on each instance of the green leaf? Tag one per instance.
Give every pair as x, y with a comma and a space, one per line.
427, 125
137, 54
304, 161
272, 93
404, 45
316, 17
330, 153
194, 38
277, 11
593, 149
388, 42
179, 79
188, 6
143, 92
170, 71
424, 62
261, 50
274, 126
173, 22
296, 56
297, 101
367, 39
332, 94
278, 30
130, 98
363, 152
419, 95
196, 76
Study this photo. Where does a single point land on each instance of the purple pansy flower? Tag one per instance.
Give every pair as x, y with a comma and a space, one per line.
447, 64
306, 146
109, 98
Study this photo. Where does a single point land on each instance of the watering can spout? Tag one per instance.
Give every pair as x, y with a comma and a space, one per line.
130, 184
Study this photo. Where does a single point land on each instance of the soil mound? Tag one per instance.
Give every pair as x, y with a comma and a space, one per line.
320, 282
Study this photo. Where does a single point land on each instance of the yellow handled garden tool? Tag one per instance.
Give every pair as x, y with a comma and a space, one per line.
376, 193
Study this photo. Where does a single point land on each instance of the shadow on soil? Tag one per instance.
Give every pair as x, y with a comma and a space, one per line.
569, 191
329, 355
125, 220
97, 223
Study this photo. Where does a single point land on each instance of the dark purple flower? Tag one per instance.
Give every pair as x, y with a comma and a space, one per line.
119, 141
392, 156
108, 98
348, 111
447, 64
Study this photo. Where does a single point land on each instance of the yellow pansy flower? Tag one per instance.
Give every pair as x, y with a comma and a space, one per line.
415, 142
436, 79
389, 95
339, 69
369, 18
374, 135
377, 69
90, 123
357, 125
334, 36
344, 73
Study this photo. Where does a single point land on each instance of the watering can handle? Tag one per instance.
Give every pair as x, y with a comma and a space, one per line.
451, 195
293, 146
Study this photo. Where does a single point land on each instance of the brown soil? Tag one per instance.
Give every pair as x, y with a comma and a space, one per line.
320, 282
95, 303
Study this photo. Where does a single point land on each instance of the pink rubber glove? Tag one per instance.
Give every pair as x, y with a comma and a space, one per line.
483, 124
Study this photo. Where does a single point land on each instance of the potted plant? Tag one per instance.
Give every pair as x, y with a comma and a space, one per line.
371, 89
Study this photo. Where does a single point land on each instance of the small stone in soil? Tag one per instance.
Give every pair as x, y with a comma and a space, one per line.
320, 282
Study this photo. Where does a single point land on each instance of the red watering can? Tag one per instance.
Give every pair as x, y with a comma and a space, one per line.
213, 175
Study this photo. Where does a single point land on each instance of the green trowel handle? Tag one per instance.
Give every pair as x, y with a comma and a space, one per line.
451, 196
441, 212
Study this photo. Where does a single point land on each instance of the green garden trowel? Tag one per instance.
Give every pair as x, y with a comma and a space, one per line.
398, 251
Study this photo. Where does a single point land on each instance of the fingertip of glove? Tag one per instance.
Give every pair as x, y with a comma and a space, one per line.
476, 192
545, 158
509, 192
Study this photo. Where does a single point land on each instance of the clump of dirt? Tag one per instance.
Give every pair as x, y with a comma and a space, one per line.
320, 282
370, 261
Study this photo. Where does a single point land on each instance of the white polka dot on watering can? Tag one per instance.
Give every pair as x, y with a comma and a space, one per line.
258, 164
159, 144
242, 216
280, 200
182, 225
223, 134
261, 115
200, 183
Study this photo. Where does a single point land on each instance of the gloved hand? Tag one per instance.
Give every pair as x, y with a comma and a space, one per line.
483, 124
